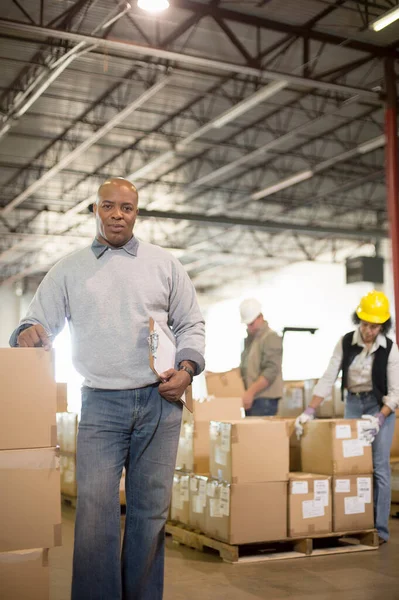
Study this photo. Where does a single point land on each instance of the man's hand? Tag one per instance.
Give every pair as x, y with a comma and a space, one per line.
248, 399
174, 383
34, 337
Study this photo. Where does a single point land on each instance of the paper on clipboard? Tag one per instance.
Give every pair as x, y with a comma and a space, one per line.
162, 353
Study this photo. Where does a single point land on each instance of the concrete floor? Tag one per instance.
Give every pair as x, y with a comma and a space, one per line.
192, 575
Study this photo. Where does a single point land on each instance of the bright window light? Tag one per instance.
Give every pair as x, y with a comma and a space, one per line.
386, 19
153, 6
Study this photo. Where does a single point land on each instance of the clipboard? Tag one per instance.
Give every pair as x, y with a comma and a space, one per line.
162, 355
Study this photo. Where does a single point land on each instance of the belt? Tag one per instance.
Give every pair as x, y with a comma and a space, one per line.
361, 394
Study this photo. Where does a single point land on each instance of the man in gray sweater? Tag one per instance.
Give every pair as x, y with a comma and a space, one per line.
107, 292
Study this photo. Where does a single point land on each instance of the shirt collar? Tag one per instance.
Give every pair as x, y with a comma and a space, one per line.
130, 247
380, 341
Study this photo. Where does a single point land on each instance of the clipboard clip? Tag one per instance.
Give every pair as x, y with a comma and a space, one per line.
153, 341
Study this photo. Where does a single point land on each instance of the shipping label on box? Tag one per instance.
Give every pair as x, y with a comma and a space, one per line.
198, 501
334, 447
180, 506
353, 503
309, 504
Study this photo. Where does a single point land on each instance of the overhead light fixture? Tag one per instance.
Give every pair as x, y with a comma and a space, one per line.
371, 145
282, 185
386, 19
153, 6
242, 107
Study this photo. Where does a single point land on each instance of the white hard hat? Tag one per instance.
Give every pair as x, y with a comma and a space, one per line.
249, 310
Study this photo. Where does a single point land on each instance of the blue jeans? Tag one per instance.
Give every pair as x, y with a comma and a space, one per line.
263, 407
137, 429
355, 407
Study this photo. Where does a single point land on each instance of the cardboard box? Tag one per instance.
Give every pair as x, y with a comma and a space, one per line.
395, 482
309, 504
180, 507
352, 502
24, 575
333, 447
225, 385
198, 500
194, 444
68, 475
67, 431
27, 399
395, 441
246, 513
295, 395
30, 506
295, 444
249, 451
62, 397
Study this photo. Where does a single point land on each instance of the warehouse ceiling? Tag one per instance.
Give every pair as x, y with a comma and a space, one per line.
253, 130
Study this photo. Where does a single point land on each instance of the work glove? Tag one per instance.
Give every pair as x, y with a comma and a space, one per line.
372, 426
305, 417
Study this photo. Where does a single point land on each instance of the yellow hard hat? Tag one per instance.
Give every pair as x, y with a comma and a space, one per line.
374, 308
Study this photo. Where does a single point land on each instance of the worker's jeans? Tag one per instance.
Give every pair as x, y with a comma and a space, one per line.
355, 407
263, 407
140, 430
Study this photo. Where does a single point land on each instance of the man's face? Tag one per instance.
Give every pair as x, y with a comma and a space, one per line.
116, 214
253, 327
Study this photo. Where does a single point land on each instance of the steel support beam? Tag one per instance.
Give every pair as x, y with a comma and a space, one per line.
217, 12
392, 177
79, 150
194, 61
268, 226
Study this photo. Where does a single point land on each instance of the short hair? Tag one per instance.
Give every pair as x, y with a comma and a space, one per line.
118, 179
385, 327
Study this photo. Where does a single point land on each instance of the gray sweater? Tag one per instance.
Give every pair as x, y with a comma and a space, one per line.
107, 296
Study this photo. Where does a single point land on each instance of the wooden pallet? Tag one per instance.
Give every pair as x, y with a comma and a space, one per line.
318, 545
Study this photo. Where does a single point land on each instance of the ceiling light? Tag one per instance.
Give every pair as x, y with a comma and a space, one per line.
242, 107
153, 6
282, 185
371, 145
386, 19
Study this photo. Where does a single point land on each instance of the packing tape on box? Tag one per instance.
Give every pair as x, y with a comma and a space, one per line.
58, 534
45, 557
234, 434
38, 458
53, 435
21, 556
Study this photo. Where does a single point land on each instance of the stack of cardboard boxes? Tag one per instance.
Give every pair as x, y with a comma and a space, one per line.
193, 455
334, 448
250, 480
30, 511
247, 495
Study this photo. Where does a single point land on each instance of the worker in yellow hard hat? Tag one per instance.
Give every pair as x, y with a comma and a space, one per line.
369, 361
